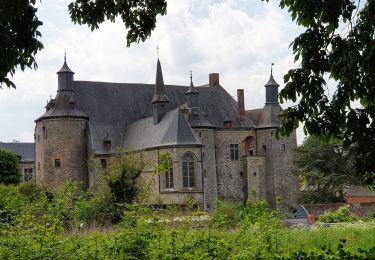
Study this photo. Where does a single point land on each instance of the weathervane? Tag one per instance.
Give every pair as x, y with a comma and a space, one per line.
272, 67
191, 76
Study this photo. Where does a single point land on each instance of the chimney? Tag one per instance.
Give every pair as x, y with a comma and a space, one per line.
213, 79
240, 105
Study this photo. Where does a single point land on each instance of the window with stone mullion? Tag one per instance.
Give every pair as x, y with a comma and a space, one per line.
188, 174
234, 151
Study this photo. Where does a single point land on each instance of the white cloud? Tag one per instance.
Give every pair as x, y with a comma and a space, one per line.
238, 39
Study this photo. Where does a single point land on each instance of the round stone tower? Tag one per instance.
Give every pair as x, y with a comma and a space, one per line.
61, 137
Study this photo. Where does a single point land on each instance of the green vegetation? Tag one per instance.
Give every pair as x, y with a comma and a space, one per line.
324, 169
55, 224
340, 215
9, 167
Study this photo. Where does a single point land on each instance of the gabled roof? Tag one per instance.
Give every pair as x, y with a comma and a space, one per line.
172, 130
25, 150
359, 191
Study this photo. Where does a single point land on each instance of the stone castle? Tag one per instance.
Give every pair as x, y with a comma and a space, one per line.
219, 149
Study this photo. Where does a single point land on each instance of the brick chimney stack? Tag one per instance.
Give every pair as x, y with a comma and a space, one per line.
240, 105
213, 79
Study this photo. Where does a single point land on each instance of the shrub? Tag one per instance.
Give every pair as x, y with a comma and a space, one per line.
340, 215
31, 190
225, 214
9, 167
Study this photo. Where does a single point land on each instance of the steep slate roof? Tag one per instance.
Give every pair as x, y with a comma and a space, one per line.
111, 107
172, 130
25, 150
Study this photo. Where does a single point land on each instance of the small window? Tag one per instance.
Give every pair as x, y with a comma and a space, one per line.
28, 174
200, 134
251, 152
241, 174
283, 147
103, 163
255, 174
233, 151
169, 179
57, 163
264, 148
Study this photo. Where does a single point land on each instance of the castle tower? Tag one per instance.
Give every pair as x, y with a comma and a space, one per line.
61, 136
160, 99
278, 179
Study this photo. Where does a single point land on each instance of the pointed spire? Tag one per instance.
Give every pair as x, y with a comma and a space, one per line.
160, 94
191, 89
271, 81
65, 68
272, 89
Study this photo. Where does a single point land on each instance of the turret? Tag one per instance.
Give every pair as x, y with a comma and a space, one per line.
192, 94
160, 99
272, 90
65, 77
61, 136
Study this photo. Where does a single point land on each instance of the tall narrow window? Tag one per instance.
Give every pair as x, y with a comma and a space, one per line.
233, 151
169, 179
44, 132
283, 147
264, 149
188, 177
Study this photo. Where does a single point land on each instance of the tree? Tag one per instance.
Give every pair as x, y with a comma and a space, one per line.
326, 169
9, 168
19, 24
338, 43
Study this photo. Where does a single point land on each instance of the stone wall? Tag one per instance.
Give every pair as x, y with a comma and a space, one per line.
207, 138
279, 178
231, 175
61, 139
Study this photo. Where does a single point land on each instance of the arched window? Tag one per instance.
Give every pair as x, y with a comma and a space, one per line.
188, 175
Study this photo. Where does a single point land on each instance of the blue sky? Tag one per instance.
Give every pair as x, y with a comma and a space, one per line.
237, 38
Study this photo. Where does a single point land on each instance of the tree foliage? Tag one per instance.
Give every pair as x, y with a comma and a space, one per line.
339, 44
9, 167
326, 169
19, 27
18, 38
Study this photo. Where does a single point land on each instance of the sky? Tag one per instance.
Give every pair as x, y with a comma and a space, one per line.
239, 39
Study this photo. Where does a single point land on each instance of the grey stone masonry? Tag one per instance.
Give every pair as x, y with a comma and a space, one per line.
61, 151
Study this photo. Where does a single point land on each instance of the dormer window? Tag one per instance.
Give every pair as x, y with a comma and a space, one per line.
228, 123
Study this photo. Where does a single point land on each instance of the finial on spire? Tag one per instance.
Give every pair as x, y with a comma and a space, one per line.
157, 51
272, 67
65, 55
191, 76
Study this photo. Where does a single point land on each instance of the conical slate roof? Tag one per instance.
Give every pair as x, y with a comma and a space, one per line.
271, 81
65, 68
160, 94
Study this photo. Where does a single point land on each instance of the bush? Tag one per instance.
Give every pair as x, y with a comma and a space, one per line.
31, 190
9, 167
340, 215
225, 214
